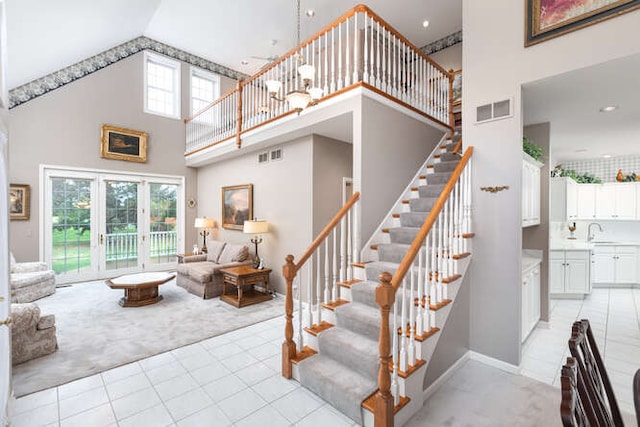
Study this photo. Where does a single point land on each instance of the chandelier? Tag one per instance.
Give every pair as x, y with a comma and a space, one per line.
305, 96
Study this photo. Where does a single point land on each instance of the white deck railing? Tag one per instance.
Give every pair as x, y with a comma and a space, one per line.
124, 246
358, 49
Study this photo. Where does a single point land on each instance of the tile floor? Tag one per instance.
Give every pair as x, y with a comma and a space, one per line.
614, 315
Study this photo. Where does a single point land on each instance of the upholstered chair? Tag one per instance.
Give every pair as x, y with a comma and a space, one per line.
30, 281
32, 335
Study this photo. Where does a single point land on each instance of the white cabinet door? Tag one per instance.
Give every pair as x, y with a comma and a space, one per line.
524, 318
625, 198
626, 267
572, 199
577, 276
530, 192
533, 310
603, 267
535, 200
586, 195
556, 272
605, 201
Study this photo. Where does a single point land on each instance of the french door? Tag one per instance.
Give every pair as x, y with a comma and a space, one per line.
98, 225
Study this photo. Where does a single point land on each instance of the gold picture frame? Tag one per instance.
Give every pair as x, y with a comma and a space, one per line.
123, 144
19, 201
237, 206
546, 21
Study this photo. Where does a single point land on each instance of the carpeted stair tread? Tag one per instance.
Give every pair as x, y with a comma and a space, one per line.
373, 270
438, 178
344, 388
350, 349
445, 157
395, 252
404, 235
361, 318
445, 166
432, 190
422, 204
364, 293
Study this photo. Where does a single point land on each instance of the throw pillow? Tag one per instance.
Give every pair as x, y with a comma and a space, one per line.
214, 250
234, 253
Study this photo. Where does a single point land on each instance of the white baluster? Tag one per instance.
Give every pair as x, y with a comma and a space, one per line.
347, 56
326, 65
365, 71
440, 259
340, 76
420, 310
385, 61
327, 274
343, 249
310, 293
378, 59
300, 330
411, 349
318, 288
356, 39
424, 300
335, 286
434, 265
332, 86
356, 232
349, 248
394, 355
403, 327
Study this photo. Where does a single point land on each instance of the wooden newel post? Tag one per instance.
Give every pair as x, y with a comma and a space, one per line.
288, 346
383, 406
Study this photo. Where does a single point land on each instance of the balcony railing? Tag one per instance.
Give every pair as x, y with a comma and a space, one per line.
124, 246
359, 49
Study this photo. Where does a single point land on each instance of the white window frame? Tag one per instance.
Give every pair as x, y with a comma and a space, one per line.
203, 74
176, 65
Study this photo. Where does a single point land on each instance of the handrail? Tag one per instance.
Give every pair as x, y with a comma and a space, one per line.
213, 104
458, 147
326, 230
408, 259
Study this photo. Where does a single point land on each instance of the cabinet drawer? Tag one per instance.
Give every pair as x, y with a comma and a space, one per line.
632, 250
581, 255
559, 255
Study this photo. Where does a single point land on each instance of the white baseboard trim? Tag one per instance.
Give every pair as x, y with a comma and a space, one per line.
504, 366
544, 324
444, 377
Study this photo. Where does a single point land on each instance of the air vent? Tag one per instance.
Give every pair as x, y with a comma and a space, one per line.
493, 111
263, 157
276, 154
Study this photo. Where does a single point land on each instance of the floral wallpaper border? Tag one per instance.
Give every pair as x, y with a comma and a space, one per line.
443, 43
57, 79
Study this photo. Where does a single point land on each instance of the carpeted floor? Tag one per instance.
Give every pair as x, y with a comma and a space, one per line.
95, 333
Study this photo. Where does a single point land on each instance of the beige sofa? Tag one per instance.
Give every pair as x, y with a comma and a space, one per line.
30, 281
200, 274
32, 335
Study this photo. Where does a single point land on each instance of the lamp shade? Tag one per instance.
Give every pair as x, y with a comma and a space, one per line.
298, 100
205, 222
255, 226
273, 86
316, 93
306, 71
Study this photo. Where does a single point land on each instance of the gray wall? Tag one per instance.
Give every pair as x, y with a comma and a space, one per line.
63, 128
282, 195
454, 342
393, 147
449, 58
537, 237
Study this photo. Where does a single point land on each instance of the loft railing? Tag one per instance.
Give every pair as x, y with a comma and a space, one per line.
359, 49
420, 288
331, 255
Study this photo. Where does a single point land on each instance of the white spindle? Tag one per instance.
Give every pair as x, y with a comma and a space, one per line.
424, 301
343, 249
334, 284
332, 87
394, 355
378, 59
318, 288
403, 327
340, 77
327, 274
310, 293
421, 283
356, 232
440, 259
356, 41
300, 327
411, 350
385, 60
347, 56
365, 71
349, 247
446, 248
326, 65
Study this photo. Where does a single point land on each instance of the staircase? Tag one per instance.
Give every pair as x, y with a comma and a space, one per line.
342, 362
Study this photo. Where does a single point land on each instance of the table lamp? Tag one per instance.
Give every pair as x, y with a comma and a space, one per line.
205, 223
256, 227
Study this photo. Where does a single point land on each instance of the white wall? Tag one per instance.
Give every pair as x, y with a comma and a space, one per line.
449, 58
495, 65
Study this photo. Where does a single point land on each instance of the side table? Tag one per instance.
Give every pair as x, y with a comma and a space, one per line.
243, 276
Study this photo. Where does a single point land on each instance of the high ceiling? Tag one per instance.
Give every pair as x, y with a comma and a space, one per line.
44, 36
571, 102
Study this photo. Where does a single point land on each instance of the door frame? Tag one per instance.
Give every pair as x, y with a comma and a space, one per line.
97, 176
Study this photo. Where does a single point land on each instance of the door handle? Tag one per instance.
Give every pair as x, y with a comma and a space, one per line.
6, 322
101, 239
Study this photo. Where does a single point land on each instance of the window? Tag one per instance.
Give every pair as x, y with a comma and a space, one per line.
162, 86
205, 88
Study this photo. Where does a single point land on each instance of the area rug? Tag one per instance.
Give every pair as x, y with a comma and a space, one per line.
96, 334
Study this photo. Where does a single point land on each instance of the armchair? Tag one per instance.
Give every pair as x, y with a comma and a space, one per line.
30, 281
32, 335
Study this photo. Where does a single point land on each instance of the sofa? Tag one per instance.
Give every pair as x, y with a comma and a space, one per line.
32, 335
30, 281
200, 274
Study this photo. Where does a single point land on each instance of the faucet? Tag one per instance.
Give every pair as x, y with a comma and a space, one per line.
589, 235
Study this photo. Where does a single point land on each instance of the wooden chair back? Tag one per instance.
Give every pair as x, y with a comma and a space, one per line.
575, 408
591, 370
636, 394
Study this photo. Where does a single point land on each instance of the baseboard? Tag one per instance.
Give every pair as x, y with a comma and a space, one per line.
504, 366
444, 377
543, 324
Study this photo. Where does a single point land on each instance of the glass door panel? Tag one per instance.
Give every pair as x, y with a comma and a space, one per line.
71, 227
163, 235
120, 238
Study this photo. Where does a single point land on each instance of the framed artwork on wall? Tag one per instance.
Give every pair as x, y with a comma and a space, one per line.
237, 206
546, 19
123, 144
19, 201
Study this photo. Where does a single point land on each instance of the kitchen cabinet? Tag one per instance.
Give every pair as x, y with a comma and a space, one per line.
564, 199
616, 200
569, 273
586, 201
615, 264
530, 299
530, 191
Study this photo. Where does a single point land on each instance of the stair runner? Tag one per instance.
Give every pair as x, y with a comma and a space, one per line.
345, 370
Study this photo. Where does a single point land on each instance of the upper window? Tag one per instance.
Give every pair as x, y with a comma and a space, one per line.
205, 88
162, 85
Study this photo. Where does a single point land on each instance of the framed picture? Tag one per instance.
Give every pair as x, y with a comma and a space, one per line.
456, 96
123, 144
546, 19
237, 206
19, 201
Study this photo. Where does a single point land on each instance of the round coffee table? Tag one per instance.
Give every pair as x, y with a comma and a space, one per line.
140, 288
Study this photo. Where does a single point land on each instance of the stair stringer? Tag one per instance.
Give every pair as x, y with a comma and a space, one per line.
378, 236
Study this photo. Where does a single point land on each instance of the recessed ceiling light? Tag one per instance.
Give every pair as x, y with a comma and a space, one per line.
245, 62
311, 13
425, 23
608, 108
606, 156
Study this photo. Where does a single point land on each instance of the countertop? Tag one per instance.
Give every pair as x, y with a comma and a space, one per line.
530, 258
570, 245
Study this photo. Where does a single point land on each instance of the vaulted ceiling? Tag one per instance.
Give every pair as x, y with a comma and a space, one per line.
44, 36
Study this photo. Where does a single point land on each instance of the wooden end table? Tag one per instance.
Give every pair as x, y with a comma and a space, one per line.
139, 289
242, 276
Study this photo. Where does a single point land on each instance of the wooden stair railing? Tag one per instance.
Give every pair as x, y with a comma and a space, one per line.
348, 237
435, 248
359, 49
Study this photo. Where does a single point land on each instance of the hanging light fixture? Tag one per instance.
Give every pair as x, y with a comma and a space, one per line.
305, 96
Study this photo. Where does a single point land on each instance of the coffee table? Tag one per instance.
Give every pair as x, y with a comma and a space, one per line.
140, 288
242, 276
